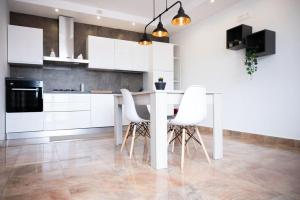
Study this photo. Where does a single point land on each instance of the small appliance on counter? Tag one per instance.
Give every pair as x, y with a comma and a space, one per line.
23, 95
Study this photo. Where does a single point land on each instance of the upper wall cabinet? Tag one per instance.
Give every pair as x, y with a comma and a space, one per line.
25, 45
100, 52
141, 57
123, 55
162, 56
130, 56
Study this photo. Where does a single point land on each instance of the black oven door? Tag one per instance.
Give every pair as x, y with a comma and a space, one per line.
24, 96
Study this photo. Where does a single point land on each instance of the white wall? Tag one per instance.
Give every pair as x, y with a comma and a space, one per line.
267, 104
3, 63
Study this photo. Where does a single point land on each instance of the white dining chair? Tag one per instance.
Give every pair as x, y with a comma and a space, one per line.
137, 126
192, 110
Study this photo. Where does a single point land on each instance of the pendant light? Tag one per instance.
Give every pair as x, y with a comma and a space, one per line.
160, 31
181, 18
145, 40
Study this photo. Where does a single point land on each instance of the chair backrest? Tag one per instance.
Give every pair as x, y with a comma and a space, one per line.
129, 106
193, 107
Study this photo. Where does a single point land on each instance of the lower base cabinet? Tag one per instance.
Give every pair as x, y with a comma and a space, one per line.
66, 111
24, 122
102, 110
66, 120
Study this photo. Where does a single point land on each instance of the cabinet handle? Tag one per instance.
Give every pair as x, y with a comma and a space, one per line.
24, 89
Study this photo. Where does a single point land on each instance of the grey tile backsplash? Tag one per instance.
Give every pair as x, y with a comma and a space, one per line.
63, 77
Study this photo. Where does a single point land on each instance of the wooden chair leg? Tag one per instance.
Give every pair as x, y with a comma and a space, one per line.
173, 145
132, 141
182, 148
125, 138
203, 146
194, 144
187, 149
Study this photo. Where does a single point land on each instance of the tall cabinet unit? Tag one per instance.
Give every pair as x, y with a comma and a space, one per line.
161, 66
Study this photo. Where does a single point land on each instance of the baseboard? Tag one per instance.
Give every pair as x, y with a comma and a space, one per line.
257, 138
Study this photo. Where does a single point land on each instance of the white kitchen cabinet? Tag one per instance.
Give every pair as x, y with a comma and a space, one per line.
66, 102
162, 56
141, 57
114, 54
25, 45
22, 122
66, 120
130, 56
123, 54
100, 52
102, 106
66, 111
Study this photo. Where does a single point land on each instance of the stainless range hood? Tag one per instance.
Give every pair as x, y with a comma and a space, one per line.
66, 43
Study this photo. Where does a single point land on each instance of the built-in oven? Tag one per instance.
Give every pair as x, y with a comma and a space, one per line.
24, 95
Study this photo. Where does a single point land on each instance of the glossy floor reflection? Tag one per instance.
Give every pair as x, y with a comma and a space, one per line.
95, 169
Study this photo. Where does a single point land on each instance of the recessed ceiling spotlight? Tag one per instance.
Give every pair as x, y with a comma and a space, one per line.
56, 10
98, 17
133, 23
212, 1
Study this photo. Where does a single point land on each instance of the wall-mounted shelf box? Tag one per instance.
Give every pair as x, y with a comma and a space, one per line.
262, 42
235, 37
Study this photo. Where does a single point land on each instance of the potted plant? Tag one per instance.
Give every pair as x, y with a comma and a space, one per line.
160, 85
251, 62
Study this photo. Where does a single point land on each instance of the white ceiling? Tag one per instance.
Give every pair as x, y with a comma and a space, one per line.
119, 13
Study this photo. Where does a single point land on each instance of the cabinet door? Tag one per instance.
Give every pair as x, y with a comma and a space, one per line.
25, 45
163, 56
100, 52
102, 110
140, 57
123, 54
66, 120
23, 122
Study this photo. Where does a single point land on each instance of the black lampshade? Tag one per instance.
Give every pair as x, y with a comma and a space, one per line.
181, 18
145, 40
160, 31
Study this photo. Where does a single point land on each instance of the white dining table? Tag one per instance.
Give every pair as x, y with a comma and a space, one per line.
159, 101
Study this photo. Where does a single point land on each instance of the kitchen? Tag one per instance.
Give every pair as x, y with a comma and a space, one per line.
73, 88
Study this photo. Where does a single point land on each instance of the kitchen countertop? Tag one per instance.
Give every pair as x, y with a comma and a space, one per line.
77, 92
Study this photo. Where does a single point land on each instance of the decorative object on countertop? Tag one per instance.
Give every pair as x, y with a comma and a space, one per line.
80, 56
251, 62
160, 85
178, 20
52, 53
81, 87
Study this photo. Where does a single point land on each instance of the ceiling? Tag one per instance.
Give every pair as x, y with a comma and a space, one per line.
123, 14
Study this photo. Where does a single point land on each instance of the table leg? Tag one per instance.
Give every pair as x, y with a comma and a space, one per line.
118, 122
158, 130
217, 127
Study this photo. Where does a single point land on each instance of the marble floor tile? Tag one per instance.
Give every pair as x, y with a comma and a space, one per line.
94, 168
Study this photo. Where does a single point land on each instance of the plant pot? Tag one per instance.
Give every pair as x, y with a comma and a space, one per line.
160, 85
